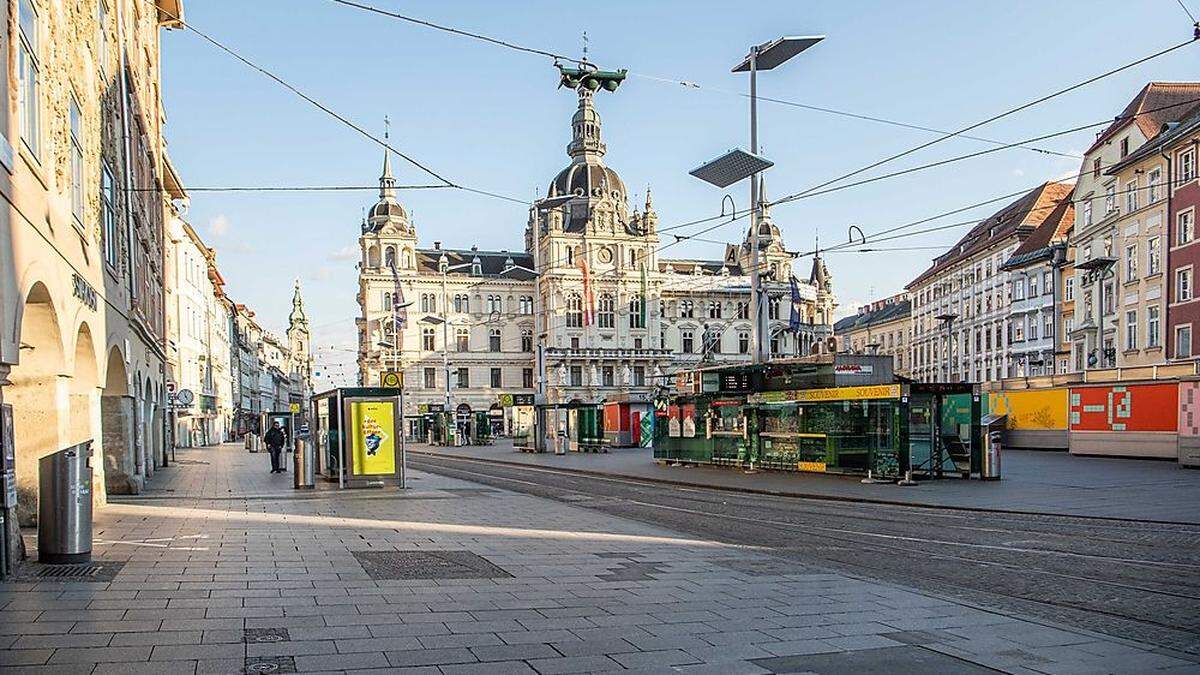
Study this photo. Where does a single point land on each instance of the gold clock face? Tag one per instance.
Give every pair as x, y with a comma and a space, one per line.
605, 255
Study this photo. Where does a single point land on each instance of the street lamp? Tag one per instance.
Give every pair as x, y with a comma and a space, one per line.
738, 164
948, 318
1098, 270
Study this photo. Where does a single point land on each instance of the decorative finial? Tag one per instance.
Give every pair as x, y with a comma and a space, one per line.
585, 45
387, 127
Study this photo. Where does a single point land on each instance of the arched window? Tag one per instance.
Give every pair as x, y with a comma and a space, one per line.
389, 257
387, 300
493, 304
574, 311
526, 340
637, 316
606, 316
773, 307
373, 256
494, 340
714, 309
406, 259
687, 309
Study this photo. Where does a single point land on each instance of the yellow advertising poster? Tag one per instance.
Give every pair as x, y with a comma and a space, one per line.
1044, 409
372, 440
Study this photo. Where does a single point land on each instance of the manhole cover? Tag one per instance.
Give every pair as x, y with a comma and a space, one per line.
398, 565
95, 571
265, 635
270, 664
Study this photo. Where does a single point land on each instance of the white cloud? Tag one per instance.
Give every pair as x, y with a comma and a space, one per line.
345, 253
219, 226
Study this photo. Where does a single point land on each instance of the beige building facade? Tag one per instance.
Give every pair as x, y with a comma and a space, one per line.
882, 327
85, 184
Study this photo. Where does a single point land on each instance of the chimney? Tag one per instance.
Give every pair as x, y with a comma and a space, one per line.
437, 245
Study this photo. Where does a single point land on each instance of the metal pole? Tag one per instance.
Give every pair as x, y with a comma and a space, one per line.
757, 332
446, 351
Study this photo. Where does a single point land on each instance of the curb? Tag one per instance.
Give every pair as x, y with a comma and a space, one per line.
797, 495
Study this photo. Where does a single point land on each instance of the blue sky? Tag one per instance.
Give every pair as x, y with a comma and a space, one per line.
492, 118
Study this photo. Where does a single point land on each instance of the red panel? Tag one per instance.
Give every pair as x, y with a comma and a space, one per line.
611, 410
623, 413
1140, 407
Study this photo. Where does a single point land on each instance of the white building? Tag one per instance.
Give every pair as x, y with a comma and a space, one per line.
589, 290
961, 305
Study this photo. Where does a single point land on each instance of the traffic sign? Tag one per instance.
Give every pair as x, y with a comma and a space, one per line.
391, 378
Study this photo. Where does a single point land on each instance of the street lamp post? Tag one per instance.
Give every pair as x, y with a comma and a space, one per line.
948, 318
737, 164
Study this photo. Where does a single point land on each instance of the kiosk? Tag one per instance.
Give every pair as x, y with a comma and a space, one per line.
360, 436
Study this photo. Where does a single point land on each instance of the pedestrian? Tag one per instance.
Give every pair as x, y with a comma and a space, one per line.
274, 440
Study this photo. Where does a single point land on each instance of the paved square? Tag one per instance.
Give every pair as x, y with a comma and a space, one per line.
226, 570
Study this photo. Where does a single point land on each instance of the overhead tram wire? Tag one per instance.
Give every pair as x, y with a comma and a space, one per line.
326, 109
993, 118
293, 188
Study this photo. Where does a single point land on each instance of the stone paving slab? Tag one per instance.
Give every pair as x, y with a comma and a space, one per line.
588, 592
1054, 483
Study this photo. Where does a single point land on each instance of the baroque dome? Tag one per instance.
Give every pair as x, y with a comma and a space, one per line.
588, 180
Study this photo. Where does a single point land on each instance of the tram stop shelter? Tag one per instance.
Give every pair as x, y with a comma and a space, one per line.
359, 436
841, 413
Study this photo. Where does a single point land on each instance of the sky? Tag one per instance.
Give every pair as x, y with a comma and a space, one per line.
492, 118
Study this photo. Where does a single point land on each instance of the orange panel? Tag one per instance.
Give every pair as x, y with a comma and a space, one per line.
1139, 407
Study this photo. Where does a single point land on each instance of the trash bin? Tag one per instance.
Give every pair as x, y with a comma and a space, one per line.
993, 441
65, 506
303, 471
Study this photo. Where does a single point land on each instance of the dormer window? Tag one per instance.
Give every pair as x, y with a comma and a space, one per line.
476, 267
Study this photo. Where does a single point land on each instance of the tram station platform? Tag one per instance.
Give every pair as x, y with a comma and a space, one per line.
1042, 482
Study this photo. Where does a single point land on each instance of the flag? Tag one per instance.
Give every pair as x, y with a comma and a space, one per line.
645, 295
400, 309
589, 298
794, 320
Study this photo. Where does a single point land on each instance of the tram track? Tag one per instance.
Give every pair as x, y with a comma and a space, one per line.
1112, 578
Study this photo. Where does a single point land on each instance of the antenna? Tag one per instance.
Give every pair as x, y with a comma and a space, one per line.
387, 127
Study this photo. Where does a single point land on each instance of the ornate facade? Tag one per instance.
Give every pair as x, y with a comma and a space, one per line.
589, 303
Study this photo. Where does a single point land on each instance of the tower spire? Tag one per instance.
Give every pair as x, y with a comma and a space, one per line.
387, 184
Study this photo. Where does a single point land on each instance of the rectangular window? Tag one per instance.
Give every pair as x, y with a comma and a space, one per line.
1096, 168
495, 378
639, 376
1153, 185
1153, 255
743, 342
1187, 166
1153, 329
1125, 147
1110, 199
1033, 286
576, 376
1183, 342
1131, 262
527, 378
464, 377
1185, 227
430, 376
607, 376
1183, 285
637, 312
1069, 289
108, 215
1131, 329
1048, 326
743, 310
1018, 290
76, 130
1047, 283
1033, 327
28, 77
1087, 212
1131, 196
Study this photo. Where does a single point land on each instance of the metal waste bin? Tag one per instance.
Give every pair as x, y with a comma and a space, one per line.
993, 442
303, 471
253, 442
65, 506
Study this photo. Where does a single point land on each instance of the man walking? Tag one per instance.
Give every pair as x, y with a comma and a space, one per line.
274, 440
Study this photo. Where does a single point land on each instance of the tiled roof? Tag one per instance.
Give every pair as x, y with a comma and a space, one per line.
1055, 228
1173, 133
491, 263
1020, 218
896, 310
1155, 105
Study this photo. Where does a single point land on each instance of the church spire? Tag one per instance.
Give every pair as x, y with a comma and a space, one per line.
297, 318
585, 130
387, 184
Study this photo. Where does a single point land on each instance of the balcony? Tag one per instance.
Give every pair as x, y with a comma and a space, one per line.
607, 353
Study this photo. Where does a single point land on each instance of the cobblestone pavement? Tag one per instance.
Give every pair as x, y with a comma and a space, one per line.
232, 573
1043, 482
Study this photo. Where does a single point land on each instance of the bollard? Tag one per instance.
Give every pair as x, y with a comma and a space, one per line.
907, 480
303, 472
65, 506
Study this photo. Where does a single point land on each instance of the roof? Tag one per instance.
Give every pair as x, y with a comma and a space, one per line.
896, 310
1155, 105
1020, 218
1172, 132
686, 266
491, 263
1056, 228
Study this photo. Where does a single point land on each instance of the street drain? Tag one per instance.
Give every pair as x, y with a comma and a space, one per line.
99, 571
270, 664
453, 564
265, 635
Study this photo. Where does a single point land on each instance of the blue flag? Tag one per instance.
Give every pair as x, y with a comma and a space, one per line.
794, 320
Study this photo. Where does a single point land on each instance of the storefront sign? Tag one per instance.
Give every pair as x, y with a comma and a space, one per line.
720, 404
853, 369
811, 466
372, 441
83, 291
832, 394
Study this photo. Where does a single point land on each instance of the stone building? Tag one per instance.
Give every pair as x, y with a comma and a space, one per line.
1161, 193
86, 185
588, 302
961, 305
882, 327
1114, 221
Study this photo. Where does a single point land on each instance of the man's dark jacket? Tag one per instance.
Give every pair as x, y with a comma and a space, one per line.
274, 438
